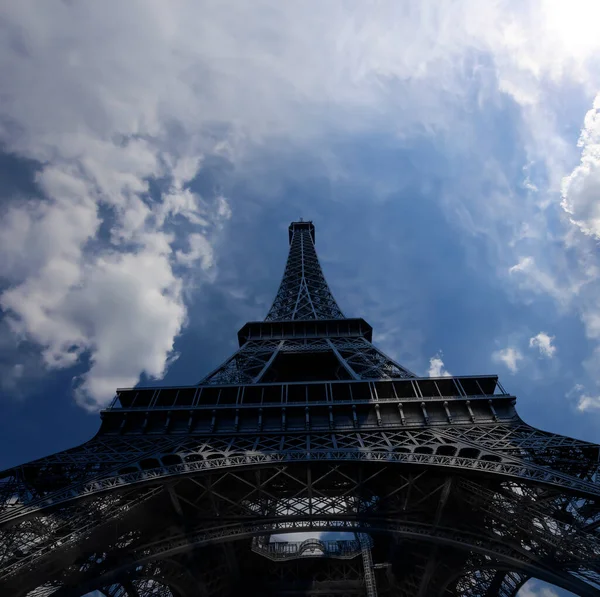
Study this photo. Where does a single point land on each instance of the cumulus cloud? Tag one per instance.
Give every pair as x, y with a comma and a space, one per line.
123, 308
510, 357
117, 301
437, 368
581, 188
543, 342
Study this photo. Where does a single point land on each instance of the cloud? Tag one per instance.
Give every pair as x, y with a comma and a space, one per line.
508, 356
436, 367
124, 309
591, 365
534, 279
200, 250
581, 188
119, 302
524, 264
535, 588
543, 343
584, 400
587, 402
11, 376
591, 320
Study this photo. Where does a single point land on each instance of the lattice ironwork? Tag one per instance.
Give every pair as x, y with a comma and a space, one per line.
310, 548
437, 485
353, 358
303, 293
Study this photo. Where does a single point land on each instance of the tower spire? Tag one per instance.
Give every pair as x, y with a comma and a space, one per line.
305, 335
303, 293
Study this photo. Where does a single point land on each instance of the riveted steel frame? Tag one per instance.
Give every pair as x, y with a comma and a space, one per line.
439, 473
303, 292
357, 356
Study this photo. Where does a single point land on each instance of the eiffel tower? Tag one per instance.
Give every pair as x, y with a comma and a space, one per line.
309, 463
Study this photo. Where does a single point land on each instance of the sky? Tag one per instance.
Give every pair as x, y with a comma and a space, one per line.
152, 155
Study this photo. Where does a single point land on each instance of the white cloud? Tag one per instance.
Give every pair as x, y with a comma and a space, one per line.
508, 356
436, 367
585, 401
123, 306
269, 68
536, 588
200, 250
125, 309
523, 265
543, 342
534, 279
581, 188
591, 320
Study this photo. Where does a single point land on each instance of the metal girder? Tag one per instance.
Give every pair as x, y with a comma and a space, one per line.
57, 479
367, 560
492, 547
367, 361
343, 549
422, 447
485, 580
297, 500
358, 356
303, 292
307, 427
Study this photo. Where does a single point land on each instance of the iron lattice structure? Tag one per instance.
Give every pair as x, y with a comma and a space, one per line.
417, 486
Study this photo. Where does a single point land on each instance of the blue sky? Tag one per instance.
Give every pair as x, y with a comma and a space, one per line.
153, 154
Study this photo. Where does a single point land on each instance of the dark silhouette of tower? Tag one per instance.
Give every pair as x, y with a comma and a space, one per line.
407, 485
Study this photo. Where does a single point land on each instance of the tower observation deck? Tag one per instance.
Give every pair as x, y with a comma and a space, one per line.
308, 463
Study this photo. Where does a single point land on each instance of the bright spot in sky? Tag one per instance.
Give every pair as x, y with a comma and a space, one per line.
575, 24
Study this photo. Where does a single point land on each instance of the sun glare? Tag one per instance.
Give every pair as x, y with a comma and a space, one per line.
574, 24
